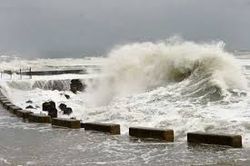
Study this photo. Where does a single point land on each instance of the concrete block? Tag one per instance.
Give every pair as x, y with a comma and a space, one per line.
103, 127
13, 108
7, 105
39, 118
4, 101
143, 132
70, 123
3, 98
23, 113
219, 139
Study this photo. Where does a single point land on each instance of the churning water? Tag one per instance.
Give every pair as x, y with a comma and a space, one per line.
173, 84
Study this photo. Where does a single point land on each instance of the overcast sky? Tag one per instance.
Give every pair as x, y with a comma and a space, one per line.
67, 28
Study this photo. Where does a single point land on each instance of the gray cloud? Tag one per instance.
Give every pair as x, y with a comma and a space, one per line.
63, 28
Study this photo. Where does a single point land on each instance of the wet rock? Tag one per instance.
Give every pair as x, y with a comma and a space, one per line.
66, 110
62, 106
67, 96
53, 113
29, 107
29, 101
46, 106
77, 85
51, 108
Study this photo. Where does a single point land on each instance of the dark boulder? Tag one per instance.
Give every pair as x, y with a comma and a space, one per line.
62, 106
46, 106
29, 107
29, 101
77, 85
66, 110
51, 108
53, 113
67, 96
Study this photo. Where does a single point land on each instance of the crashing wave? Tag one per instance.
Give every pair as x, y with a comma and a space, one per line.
198, 69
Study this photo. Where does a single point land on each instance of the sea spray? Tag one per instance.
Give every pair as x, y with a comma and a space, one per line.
183, 80
140, 67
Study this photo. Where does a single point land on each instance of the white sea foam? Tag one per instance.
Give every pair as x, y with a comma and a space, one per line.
172, 84
140, 67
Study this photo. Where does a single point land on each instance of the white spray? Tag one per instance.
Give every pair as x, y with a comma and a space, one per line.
139, 67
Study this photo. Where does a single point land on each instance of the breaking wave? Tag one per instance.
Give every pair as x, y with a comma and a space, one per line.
195, 69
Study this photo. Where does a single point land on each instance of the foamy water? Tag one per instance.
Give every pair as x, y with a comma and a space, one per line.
180, 85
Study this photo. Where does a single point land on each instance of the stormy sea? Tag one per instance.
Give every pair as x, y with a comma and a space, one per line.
179, 85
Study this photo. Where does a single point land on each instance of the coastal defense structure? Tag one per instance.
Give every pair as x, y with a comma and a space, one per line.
39, 118
218, 139
234, 141
13, 109
162, 134
69, 123
103, 127
23, 113
29, 72
53, 72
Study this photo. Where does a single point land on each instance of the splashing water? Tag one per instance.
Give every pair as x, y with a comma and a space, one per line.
173, 84
198, 69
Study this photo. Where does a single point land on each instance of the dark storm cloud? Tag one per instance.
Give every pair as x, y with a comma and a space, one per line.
59, 28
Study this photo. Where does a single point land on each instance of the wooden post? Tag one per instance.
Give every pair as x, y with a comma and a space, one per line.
20, 73
30, 73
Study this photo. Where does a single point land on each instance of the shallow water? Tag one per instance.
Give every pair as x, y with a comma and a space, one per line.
24, 143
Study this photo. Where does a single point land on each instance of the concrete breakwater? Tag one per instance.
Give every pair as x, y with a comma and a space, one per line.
234, 141
30, 72
54, 72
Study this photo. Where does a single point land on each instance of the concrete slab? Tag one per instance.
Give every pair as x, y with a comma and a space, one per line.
39, 118
145, 132
69, 123
219, 139
103, 127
